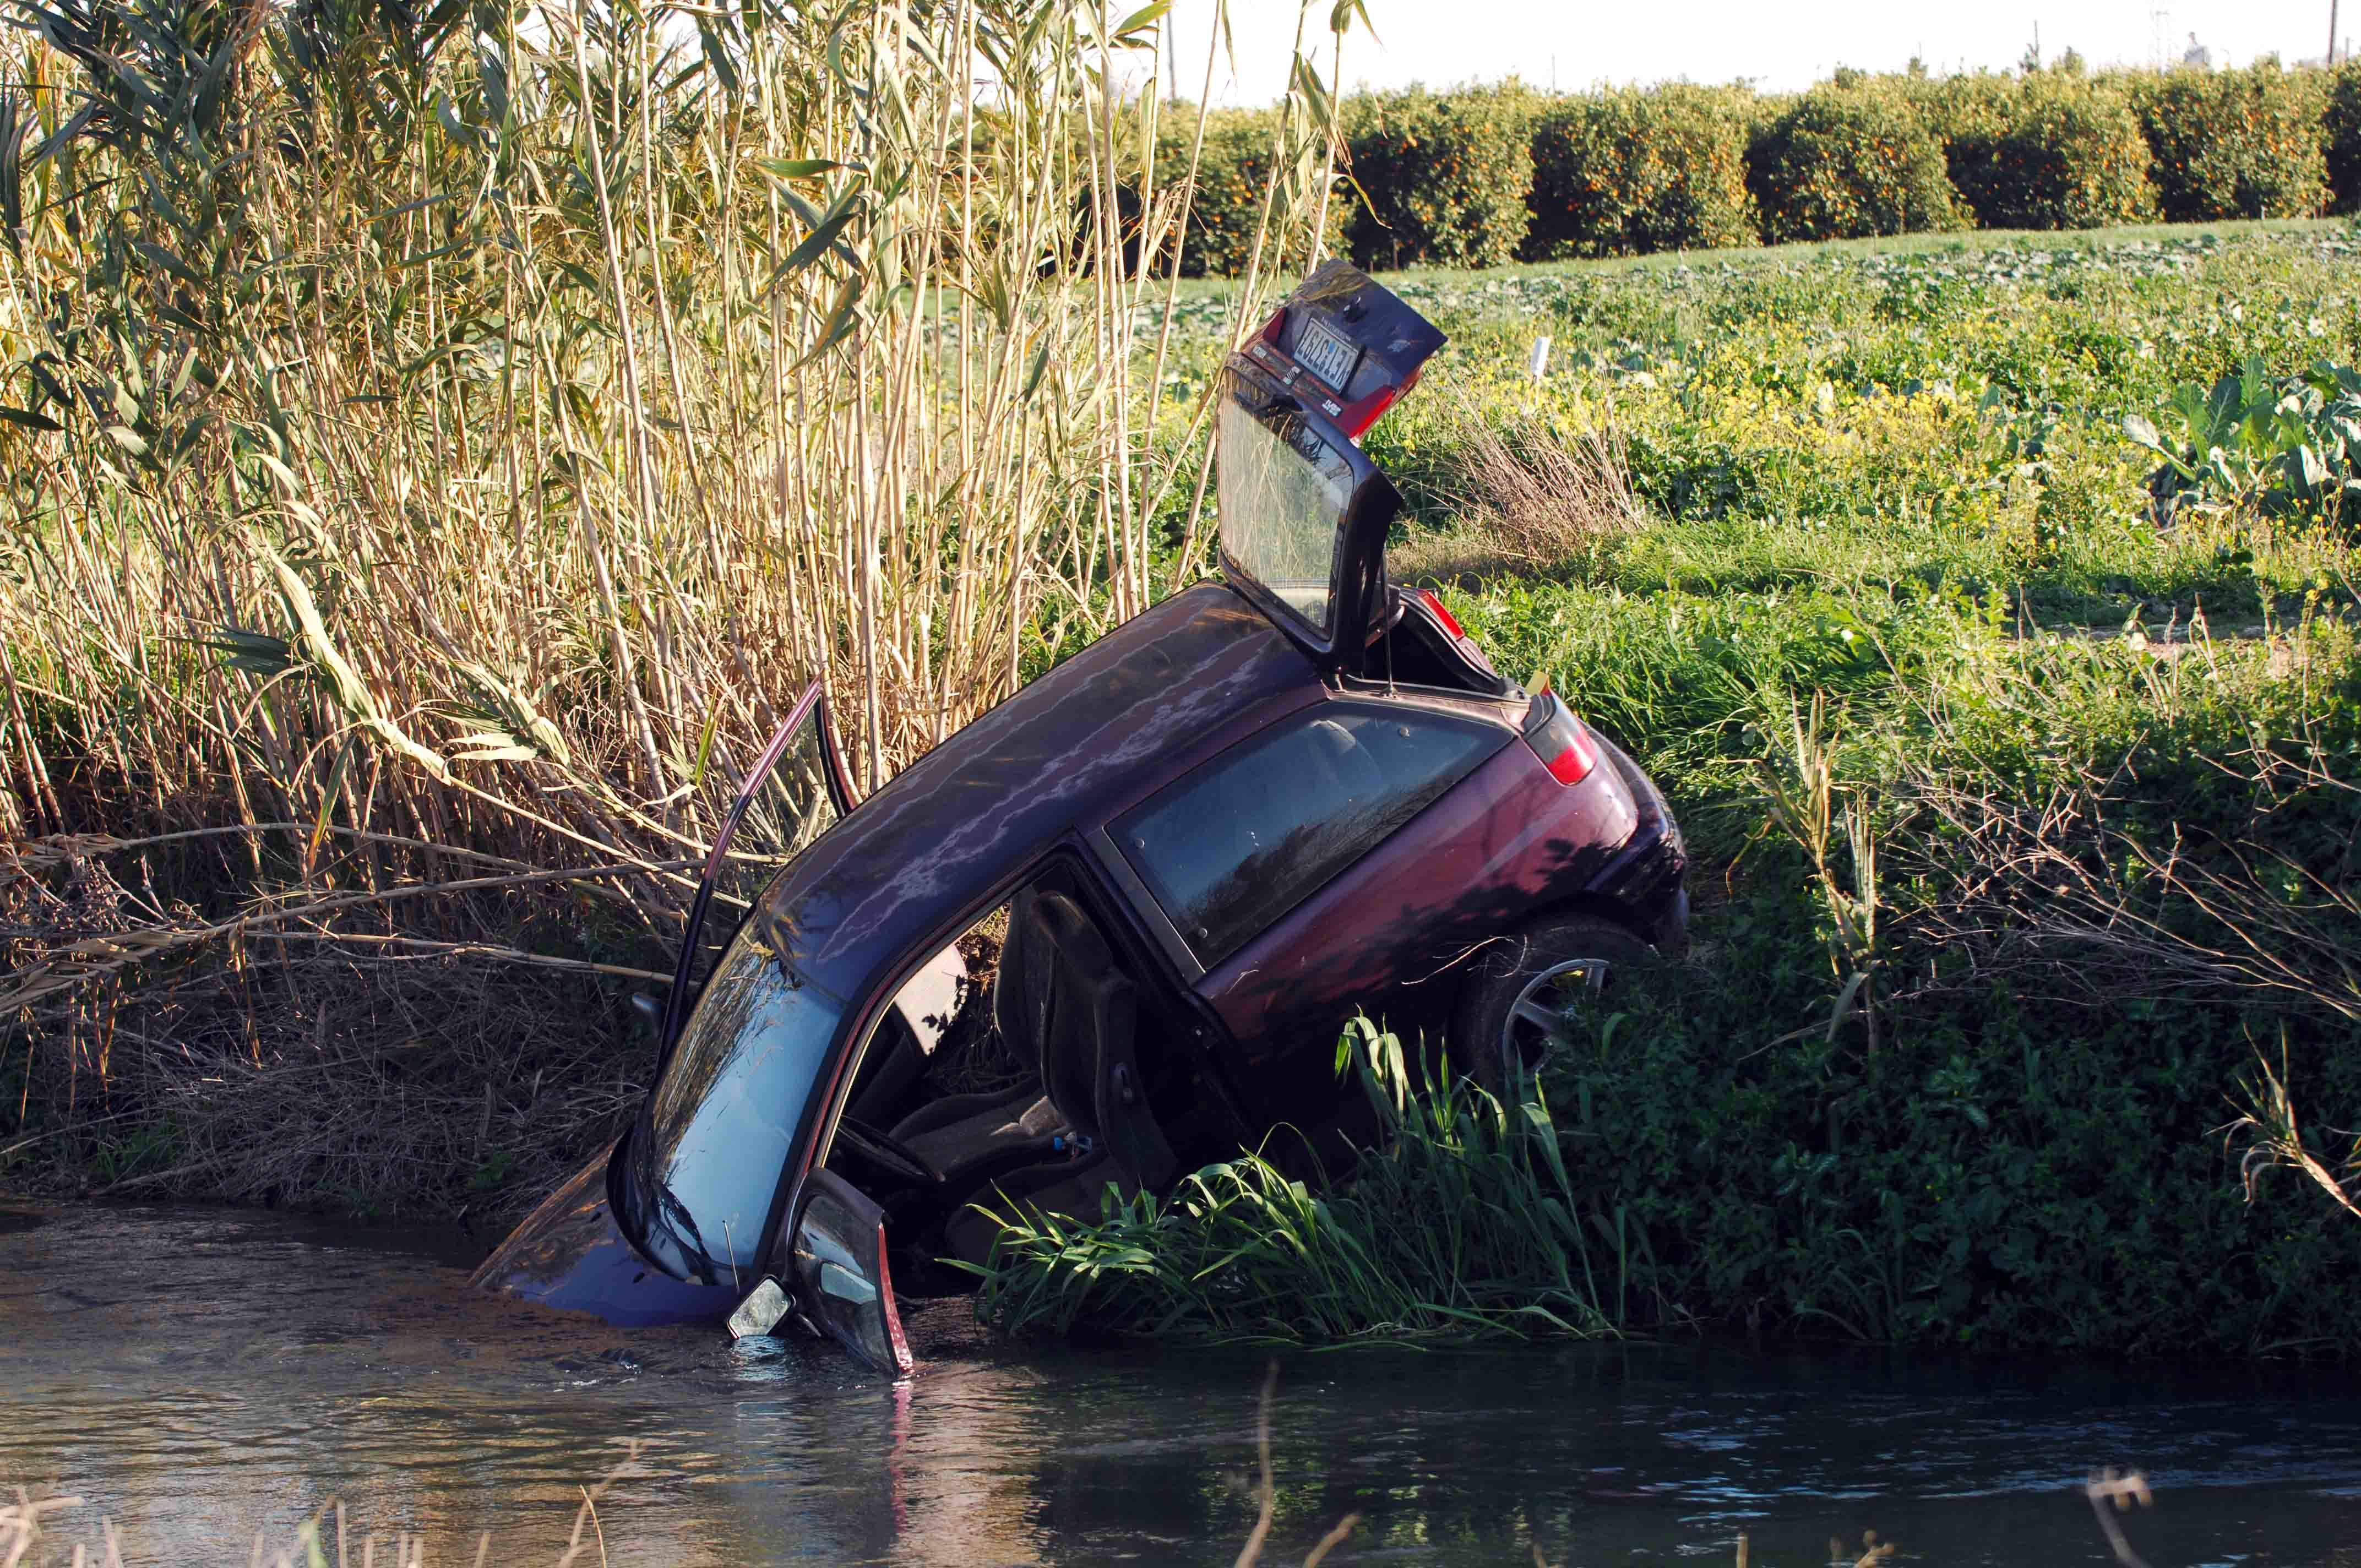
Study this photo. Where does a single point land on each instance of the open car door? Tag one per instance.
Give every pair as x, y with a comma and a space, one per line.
1303, 512
794, 793
836, 1274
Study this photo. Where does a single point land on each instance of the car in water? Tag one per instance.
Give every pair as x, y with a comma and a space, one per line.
1112, 929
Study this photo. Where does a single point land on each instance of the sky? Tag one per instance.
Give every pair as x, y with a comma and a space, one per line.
1778, 46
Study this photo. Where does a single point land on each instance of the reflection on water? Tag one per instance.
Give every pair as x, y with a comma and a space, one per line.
200, 1375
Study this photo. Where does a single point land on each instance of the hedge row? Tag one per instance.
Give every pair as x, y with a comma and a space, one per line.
1480, 176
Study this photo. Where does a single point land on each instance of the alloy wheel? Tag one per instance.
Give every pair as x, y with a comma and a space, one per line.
1549, 1007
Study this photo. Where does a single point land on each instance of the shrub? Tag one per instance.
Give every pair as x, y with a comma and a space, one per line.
2052, 152
2234, 144
2342, 129
1845, 161
1232, 174
1956, 109
1446, 176
1621, 173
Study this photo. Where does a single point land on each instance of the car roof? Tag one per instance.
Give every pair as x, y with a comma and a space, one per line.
1061, 753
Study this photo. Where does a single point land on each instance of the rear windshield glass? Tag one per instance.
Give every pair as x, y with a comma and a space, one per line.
720, 1125
1282, 492
1235, 845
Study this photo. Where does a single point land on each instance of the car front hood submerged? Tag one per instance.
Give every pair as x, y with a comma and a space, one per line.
569, 1254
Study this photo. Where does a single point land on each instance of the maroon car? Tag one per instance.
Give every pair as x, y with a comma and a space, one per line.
1147, 891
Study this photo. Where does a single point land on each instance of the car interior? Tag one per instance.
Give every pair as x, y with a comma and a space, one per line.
1021, 1078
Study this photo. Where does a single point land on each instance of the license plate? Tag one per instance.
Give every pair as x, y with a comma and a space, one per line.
1325, 353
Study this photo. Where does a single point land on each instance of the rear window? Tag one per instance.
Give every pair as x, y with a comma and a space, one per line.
1238, 843
1281, 493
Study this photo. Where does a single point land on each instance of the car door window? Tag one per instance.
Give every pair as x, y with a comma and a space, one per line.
1238, 843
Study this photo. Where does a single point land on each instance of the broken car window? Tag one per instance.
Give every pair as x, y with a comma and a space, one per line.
1235, 845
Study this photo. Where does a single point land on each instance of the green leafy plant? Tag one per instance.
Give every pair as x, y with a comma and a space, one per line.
1458, 1222
2287, 445
1804, 801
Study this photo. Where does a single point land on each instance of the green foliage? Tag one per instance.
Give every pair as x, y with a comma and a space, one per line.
2234, 144
1678, 167
2051, 152
2341, 128
2003, 1174
2289, 444
1460, 1224
1447, 174
1849, 160
1626, 172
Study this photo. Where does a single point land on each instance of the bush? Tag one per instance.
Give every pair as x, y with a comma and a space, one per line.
2234, 144
2051, 152
1622, 174
1959, 109
1846, 161
1447, 174
1232, 175
2342, 125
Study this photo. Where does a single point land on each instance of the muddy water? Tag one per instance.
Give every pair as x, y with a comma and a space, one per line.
199, 1376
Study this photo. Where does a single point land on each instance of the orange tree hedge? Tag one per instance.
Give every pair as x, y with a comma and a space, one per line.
2234, 144
2055, 151
1626, 172
1848, 160
1447, 176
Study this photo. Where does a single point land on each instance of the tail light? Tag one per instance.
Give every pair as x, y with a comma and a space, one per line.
1450, 622
1560, 741
1354, 418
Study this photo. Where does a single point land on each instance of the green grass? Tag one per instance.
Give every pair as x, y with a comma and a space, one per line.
2101, 772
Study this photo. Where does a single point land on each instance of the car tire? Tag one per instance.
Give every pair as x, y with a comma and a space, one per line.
1528, 990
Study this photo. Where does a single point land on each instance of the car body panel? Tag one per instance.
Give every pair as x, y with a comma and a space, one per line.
951, 833
1384, 937
571, 1255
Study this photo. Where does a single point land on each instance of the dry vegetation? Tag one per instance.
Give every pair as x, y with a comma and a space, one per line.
1530, 493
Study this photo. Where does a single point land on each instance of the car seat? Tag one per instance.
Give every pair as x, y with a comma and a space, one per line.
1062, 999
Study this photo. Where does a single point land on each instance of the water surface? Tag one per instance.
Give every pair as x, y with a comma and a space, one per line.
202, 1375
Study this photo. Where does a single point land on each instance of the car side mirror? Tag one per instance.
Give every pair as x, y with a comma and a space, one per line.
836, 1273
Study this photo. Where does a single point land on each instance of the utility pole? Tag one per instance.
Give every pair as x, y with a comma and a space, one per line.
2331, 32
